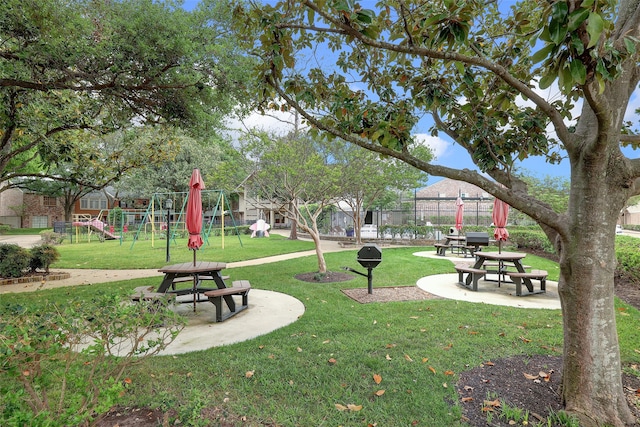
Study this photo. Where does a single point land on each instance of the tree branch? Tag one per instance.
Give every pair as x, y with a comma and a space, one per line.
503, 73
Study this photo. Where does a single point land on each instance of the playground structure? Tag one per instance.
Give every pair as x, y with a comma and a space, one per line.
156, 219
107, 225
93, 225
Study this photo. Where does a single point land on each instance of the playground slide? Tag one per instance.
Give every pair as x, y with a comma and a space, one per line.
96, 225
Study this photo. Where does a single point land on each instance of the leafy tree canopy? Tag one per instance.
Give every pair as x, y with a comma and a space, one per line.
103, 66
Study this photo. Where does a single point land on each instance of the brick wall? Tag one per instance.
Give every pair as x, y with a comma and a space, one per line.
35, 206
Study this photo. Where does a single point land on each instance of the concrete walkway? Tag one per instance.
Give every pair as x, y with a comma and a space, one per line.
270, 310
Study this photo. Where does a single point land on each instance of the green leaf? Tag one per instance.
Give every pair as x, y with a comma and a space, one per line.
578, 71
546, 81
559, 11
365, 16
557, 31
630, 44
594, 28
371, 31
542, 54
576, 18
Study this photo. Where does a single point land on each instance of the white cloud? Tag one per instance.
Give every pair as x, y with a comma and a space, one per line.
275, 122
438, 145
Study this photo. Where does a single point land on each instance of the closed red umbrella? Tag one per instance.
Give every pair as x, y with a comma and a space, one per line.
194, 220
499, 216
459, 213
194, 212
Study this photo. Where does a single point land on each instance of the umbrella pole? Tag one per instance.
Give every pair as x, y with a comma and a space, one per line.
195, 283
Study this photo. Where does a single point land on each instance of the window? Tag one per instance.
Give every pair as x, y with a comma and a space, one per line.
40, 221
50, 201
93, 202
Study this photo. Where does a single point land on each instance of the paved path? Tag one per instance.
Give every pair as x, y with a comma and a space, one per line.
90, 276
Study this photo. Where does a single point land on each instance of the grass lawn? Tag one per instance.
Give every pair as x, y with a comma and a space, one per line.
116, 255
333, 354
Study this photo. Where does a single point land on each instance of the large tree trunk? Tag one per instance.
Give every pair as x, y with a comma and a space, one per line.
591, 383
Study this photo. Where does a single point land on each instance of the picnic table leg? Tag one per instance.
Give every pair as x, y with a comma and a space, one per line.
526, 280
477, 265
167, 283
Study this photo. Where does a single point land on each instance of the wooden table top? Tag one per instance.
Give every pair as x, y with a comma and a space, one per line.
501, 256
199, 267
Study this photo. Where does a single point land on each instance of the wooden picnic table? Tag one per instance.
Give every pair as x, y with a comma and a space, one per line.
196, 275
485, 261
452, 241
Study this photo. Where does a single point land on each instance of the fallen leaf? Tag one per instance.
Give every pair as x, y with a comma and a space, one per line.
468, 388
261, 347
127, 381
340, 407
26, 372
448, 373
333, 361
377, 378
445, 385
489, 363
326, 341
529, 376
414, 317
525, 340
512, 422
493, 403
425, 359
390, 345
299, 350
432, 369
379, 393
353, 407
409, 359
249, 374
388, 357
466, 399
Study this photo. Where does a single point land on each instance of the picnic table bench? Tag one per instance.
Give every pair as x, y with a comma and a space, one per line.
148, 293
238, 287
540, 275
475, 273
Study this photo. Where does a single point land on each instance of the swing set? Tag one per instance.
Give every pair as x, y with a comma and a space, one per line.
158, 218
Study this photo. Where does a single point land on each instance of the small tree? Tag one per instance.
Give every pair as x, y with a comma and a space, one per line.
42, 257
292, 173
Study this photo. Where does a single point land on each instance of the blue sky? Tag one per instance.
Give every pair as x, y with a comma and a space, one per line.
448, 153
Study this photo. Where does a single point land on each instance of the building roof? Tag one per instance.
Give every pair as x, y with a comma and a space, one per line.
452, 188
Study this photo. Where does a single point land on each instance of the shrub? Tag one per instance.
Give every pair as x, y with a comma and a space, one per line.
42, 257
51, 238
14, 261
4, 228
57, 367
533, 239
628, 254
